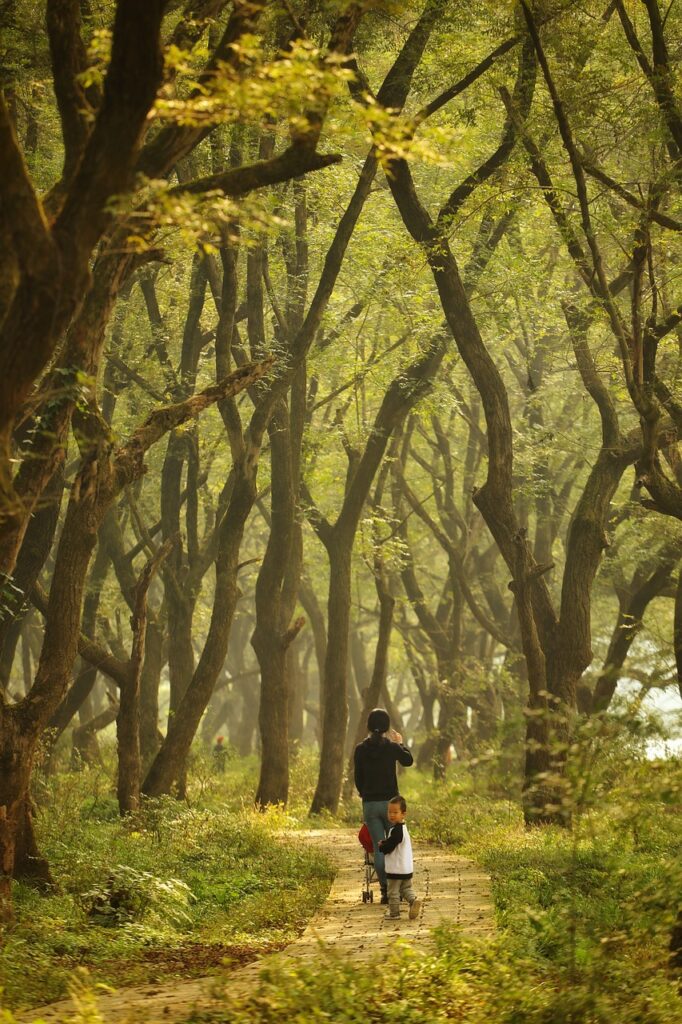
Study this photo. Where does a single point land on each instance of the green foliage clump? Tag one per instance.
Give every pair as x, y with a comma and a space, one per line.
129, 894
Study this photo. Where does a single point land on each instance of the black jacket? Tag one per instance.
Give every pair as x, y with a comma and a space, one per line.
375, 775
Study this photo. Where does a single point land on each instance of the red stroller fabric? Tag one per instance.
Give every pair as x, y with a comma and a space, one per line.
365, 839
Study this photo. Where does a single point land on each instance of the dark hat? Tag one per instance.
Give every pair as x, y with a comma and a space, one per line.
378, 720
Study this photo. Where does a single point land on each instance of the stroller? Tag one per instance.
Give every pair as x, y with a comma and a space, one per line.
365, 841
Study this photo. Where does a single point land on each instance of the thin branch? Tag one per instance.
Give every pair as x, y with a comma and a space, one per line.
238, 181
632, 200
67, 52
134, 376
21, 212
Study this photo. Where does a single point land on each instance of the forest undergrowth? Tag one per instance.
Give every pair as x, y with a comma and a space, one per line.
178, 891
584, 914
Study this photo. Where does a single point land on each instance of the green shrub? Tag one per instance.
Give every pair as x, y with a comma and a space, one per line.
128, 894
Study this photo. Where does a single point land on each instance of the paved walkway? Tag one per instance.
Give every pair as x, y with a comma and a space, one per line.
453, 890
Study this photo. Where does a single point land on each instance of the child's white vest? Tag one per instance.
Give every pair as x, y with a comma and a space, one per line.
399, 861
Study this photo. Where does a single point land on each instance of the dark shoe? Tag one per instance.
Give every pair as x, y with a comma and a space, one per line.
384, 897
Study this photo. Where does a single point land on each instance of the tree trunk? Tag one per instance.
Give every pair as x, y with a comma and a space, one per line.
83, 684
379, 672
150, 735
539, 797
335, 713
677, 632
164, 770
273, 721
85, 749
35, 548
632, 606
128, 737
12, 633
128, 718
19, 857
276, 590
298, 685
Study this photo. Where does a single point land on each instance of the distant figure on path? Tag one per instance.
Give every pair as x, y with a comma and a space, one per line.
376, 781
220, 755
398, 862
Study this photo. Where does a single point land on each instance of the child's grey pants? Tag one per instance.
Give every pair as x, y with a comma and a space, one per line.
399, 888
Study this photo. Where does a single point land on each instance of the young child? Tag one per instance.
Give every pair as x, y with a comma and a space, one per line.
397, 850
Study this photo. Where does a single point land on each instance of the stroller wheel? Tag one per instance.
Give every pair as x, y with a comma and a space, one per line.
371, 897
364, 897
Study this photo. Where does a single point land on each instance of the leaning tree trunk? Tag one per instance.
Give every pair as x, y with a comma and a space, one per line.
19, 730
35, 548
632, 606
83, 684
102, 476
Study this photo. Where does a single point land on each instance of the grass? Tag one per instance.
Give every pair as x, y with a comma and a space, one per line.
584, 915
177, 892
462, 982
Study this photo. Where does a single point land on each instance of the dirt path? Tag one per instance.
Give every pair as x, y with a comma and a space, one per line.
452, 889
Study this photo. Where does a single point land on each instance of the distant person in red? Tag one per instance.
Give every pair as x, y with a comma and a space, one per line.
220, 755
376, 780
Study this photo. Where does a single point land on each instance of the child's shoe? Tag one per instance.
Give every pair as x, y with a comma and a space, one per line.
415, 907
388, 916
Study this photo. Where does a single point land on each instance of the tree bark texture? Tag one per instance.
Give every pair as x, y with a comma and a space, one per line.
18, 853
335, 707
274, 608
677, 631
128, 718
